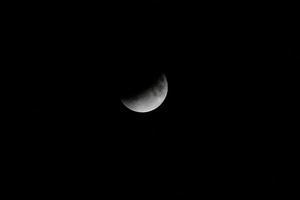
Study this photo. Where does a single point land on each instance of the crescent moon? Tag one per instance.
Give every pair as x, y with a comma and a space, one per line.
150, 99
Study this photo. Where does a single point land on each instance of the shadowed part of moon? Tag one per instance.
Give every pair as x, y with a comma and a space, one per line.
149, 99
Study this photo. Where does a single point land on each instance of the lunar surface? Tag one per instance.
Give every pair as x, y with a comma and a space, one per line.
149, 99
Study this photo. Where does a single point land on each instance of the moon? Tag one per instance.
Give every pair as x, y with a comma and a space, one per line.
150, 97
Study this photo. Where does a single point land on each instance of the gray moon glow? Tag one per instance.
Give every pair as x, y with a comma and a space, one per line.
149, 99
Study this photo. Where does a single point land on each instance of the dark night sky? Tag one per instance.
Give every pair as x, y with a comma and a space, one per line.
226, 128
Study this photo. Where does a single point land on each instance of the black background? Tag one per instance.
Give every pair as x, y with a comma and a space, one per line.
226, 129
